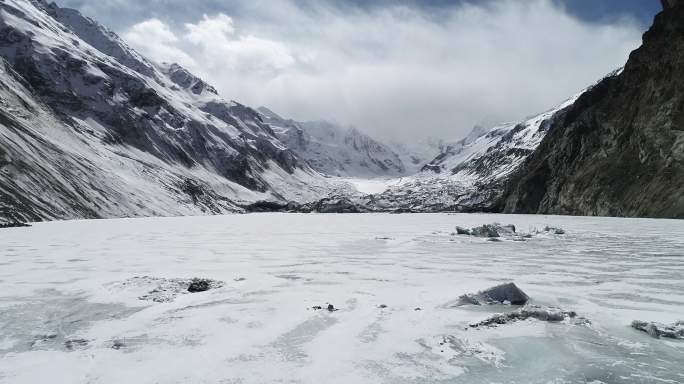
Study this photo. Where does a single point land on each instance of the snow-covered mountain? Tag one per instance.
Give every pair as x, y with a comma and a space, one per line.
334, 150
416, 154
89, 128
468, 175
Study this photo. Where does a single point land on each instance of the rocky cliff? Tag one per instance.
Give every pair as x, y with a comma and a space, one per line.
619, 150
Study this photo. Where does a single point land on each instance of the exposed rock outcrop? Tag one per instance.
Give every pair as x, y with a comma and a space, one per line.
619, 149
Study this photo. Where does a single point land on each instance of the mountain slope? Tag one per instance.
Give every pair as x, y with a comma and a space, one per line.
469, 175
619, 150
416, 154
334, 150
91, 129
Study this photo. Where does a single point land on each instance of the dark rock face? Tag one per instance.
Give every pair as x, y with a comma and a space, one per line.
504, 293
619, 150
669, 3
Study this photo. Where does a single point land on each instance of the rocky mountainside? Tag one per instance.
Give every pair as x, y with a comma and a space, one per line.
467, 176
90, 129
334, 150
619, 150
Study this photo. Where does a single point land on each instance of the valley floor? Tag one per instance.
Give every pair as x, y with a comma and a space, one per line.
70, 307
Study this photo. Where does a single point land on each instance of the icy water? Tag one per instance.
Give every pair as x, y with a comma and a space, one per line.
70, 311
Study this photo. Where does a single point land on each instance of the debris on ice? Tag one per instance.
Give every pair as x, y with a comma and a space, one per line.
501, 294
164, 290
550, 314
658, 330
496, 231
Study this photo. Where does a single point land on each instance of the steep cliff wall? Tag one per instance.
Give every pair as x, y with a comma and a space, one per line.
619, 150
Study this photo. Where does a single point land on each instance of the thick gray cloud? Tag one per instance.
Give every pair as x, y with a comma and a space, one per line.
397, 71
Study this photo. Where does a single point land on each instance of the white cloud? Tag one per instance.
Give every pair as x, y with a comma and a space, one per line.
397, 71
155, 39
215, 41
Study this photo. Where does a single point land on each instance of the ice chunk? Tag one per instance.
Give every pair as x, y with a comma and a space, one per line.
657, 330
462, 231
488, 230
551, 314
504, 293
555, 230
498, 231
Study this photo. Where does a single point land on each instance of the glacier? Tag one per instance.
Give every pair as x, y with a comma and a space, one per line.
71, 307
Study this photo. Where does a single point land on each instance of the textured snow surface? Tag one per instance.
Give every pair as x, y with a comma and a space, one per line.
66, 318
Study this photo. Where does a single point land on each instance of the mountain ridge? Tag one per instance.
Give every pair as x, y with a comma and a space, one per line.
93, 130
334, 150
619, 150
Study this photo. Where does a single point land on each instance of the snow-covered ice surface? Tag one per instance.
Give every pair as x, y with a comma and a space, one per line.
66, 317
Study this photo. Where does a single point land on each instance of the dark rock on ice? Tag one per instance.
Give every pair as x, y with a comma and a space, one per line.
418, 309
39, 340
382, 306
162, 290
658, 330
462, 231
72, 344
550, 314
118, 344
329, 308
487, 230
199, 285
554, 230
501, 294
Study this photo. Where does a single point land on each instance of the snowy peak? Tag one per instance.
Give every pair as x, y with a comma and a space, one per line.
97, 36
492, 154
96, 130
334, 150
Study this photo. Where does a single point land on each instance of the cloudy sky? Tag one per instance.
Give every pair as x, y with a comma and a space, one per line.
403, 69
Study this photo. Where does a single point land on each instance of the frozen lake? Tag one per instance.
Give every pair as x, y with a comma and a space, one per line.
70, 311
